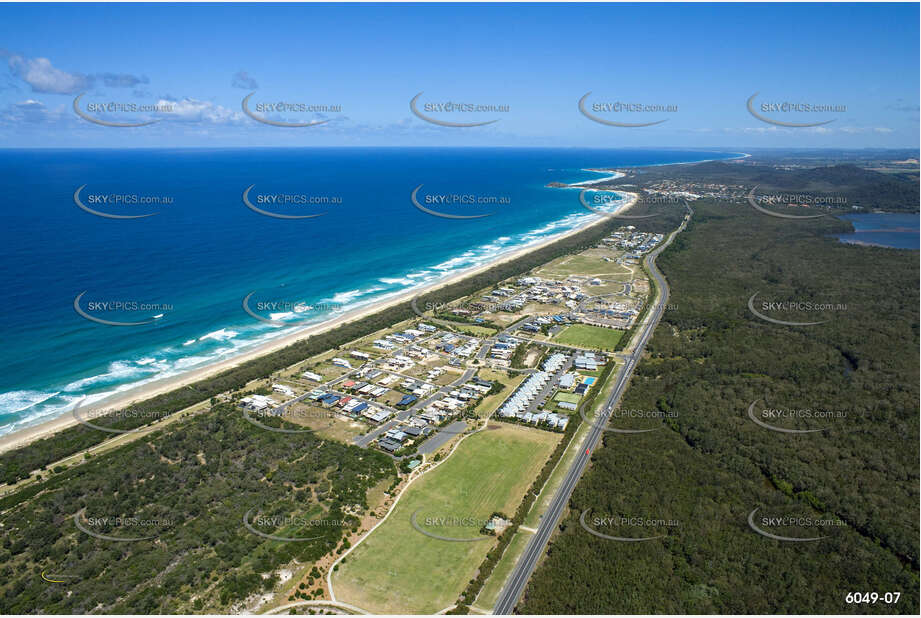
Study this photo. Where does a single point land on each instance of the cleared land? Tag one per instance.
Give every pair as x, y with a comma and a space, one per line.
399, 570
586, 336
587, 264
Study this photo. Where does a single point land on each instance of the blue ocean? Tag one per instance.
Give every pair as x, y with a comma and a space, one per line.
181, 275
885, 229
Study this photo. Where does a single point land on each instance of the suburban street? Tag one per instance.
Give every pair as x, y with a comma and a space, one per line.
515, 585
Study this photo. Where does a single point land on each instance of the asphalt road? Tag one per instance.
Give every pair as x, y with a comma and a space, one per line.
514, 587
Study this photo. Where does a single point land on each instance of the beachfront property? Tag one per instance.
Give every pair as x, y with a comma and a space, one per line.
282, 389
258, 403
314, 377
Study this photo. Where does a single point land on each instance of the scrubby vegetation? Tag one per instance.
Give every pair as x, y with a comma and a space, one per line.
711, 465
189, 487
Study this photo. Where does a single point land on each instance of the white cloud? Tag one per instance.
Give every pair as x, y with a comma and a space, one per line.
193, 110
43, 77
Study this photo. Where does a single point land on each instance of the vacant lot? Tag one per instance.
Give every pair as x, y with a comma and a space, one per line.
586, 336
399, 570
589, 263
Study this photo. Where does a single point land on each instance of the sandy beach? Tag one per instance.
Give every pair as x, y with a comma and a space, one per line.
146, 391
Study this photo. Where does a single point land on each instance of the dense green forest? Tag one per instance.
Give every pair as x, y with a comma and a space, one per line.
188, 488
709, 465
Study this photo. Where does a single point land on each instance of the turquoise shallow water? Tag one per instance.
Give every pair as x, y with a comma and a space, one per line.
204, 252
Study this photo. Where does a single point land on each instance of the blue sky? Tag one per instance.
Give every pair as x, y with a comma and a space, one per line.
701, 61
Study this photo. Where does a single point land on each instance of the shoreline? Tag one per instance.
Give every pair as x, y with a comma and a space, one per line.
128, 397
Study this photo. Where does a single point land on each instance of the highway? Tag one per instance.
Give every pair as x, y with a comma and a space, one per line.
516, 582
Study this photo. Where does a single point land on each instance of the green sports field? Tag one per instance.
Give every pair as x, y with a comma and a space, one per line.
567, 397
585, 336
398, 570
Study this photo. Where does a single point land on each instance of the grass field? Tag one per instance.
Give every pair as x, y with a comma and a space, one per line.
399, 570
586, 336
473, 329
567, 397
589, 263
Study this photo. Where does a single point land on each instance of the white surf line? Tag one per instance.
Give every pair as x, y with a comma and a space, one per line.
412, 479
595, 181
352, 608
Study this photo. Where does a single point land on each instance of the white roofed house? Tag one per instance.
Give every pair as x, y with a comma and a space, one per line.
258, 402
284, 390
